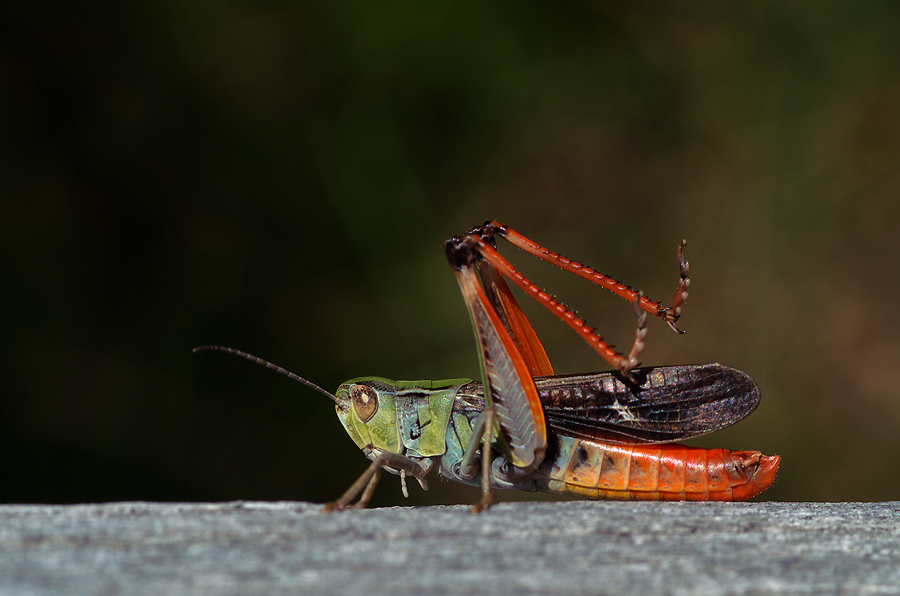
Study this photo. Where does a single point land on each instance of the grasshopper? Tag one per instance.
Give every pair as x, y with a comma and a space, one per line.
601, 436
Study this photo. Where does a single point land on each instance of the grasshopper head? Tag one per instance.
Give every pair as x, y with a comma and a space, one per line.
367, 408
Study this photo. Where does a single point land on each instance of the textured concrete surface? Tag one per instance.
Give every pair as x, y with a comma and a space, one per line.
576, 547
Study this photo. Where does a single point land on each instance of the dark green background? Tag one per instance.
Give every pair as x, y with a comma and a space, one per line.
281, 176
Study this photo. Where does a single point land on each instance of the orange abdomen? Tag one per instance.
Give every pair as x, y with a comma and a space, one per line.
666, 472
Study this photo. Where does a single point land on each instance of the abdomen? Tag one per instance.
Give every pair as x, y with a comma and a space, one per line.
666, 472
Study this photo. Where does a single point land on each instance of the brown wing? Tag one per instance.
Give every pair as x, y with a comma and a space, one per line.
671, 403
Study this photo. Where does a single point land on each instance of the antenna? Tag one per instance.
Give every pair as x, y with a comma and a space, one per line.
268, 364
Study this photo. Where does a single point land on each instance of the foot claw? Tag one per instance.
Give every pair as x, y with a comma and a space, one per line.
482, 505
331, 506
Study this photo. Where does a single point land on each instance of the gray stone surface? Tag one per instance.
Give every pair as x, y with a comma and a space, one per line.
577, 547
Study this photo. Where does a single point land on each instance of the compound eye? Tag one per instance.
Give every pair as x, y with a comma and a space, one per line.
365, 401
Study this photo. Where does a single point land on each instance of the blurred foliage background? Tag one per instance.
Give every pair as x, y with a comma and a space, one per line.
280, 177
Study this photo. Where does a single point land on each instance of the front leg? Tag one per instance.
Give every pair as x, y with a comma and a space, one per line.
367, 481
